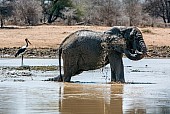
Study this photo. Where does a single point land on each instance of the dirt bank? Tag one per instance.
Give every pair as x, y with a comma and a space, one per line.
45, 40
30, 52
153, 52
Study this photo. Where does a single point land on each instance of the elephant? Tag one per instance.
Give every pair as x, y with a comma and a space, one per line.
86, 50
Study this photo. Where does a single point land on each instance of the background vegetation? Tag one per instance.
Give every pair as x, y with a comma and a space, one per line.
85, 12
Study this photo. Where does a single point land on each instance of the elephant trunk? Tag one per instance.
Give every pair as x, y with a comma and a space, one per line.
136, 48
134, 56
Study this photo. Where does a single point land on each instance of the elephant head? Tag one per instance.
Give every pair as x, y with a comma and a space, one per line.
135, 48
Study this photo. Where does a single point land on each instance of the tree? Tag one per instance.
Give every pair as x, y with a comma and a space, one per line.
71, 15
110, 11
28, 11
53, 8
158, 8
132, 10
5, 10
102, 12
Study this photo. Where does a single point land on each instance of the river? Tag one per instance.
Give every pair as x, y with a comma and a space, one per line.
147, 90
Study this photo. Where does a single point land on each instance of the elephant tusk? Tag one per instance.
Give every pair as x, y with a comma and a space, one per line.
133, 55
138, 52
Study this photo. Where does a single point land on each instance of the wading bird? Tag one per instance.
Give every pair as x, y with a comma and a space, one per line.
22, 50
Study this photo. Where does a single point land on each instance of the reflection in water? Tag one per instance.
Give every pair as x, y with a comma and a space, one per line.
113, 99
72, 98
92, 99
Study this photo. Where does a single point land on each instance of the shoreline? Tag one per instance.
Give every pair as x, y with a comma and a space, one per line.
50, 53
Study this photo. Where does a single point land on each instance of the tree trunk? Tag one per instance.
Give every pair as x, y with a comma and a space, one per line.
2, 23
49, 18
130, 21
168, 19
168, 16
164, 19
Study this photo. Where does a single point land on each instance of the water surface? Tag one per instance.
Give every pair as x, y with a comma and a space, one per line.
147, 90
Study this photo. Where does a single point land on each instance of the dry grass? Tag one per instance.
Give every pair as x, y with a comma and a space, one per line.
51, 36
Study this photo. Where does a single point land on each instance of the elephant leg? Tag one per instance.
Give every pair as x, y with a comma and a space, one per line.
113, 75
70, 66
117, 68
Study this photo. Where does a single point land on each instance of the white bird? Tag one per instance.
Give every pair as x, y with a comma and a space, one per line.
22, 50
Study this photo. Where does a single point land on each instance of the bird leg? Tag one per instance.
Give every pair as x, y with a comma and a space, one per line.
22, 60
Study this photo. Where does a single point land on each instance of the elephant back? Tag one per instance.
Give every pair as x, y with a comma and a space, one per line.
77, 35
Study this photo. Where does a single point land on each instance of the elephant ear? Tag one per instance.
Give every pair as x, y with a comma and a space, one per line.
114, 31
113, 42
117, 30
104, 45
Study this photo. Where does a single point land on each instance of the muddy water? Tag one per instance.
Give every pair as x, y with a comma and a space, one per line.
147, 91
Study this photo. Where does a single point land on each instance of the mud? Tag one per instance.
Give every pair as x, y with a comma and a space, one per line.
30, 52
146, 91
153, 52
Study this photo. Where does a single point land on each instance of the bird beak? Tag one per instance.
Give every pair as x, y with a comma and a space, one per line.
29, 42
